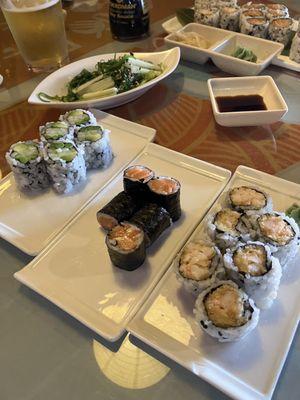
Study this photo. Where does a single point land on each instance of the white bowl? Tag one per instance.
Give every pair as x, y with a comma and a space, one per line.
55, 83
261, 85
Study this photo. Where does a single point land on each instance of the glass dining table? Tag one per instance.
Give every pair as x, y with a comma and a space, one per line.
44, 352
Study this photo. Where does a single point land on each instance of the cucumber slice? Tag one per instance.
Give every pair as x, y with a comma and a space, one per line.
25, 152
89, 133
62, 151
78, 117
56, 130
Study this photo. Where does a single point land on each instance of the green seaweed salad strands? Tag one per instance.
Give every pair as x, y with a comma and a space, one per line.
294, 212
116, 75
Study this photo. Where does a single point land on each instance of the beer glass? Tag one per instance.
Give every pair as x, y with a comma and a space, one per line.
39, 32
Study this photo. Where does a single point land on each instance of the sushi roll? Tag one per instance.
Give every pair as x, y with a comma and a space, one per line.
165, 191
226, 312
281, 233
96, 146
257, 27
255, 6
251, 13
207, 16
59, 130
276, 11
126, 246
65, 165
28, 167
295, 48
280, 30
153, 219
253, 267
135, 179
199, 265
229, 18
120, 208
79, 117
250, 199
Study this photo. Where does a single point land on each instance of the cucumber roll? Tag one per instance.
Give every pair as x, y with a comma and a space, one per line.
154, 220
126, 246
59, 130
252, 266
26, 162
96, 146
120, 208
280, 30
229, 18
207, 16
295, 48
79, 118
135, 179
250, 199
65, 165
199, 265
257, 27
165, 191
226, 312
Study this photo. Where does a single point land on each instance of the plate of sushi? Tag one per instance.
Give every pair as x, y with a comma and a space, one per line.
54, 177
104, 264
105, 81
228, 307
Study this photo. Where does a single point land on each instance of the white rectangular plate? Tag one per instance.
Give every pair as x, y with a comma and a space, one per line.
31, 222
75, 271
245, 370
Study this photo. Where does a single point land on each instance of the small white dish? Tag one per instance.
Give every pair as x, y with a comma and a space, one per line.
216, 37
238, 86
55, 83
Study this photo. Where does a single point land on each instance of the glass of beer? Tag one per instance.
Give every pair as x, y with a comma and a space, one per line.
39, 32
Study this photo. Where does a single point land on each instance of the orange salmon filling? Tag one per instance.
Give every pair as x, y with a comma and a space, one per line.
245, 196
275, 228
282, 22
253, 13
163, 185
138, 173
256, 21
127, 237
251, 260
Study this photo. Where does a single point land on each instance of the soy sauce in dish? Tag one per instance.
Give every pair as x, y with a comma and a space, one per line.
252, 102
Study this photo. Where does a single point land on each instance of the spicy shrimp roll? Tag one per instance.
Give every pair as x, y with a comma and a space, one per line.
276, 11
135, 179
165, 191
229, 18
79, 118
250, 199
199, 265
120, 208
126, 246
28, 167
252, 266
59, 130
250, 13
251, 5
96, 146
295, 48
280, 30
226, 312
257, 27
207, 16
153, 219
281, 233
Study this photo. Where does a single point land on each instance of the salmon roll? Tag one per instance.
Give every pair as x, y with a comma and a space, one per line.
226, 312
135, 179
257, 27
280, 30
165, 191
126, 246
199, 265
252, 266
250, 199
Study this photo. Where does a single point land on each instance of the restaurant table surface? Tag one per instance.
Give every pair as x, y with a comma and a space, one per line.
45, 353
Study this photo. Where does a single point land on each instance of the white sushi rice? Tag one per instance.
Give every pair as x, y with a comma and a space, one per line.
280, 34
249, 27
295, 48
225, 334
216, 269
229, 18
207, 16
262, 289
248, 208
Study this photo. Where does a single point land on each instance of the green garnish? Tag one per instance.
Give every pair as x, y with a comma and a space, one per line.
244, 54
62, 151
89, 133
25, 152
294, 212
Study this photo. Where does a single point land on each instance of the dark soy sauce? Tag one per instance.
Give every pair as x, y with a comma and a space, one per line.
252, 102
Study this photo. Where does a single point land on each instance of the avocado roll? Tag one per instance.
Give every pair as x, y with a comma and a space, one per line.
28, 167
65, 165
153, 219
79, 118
280, 30
250, 199
59, 130
199, 265
257, 27
120, 208
126, 246
165, 191
135, 179
252, 266
96, 146
226, 312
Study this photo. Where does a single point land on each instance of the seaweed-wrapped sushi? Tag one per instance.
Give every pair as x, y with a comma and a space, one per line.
135, 179
249, 199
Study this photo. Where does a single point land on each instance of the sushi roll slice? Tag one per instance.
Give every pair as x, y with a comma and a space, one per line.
153, 219
280, 30
79, 117
126, 246
65, 165
120, 208
135, 179
226, 312
295, 48
59, 130
96, 146
276, 11
207, 16
250, 199
229, 18
253, 267
255, 6
26, 162
199, 265
257, 27
281, 233
165, 191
